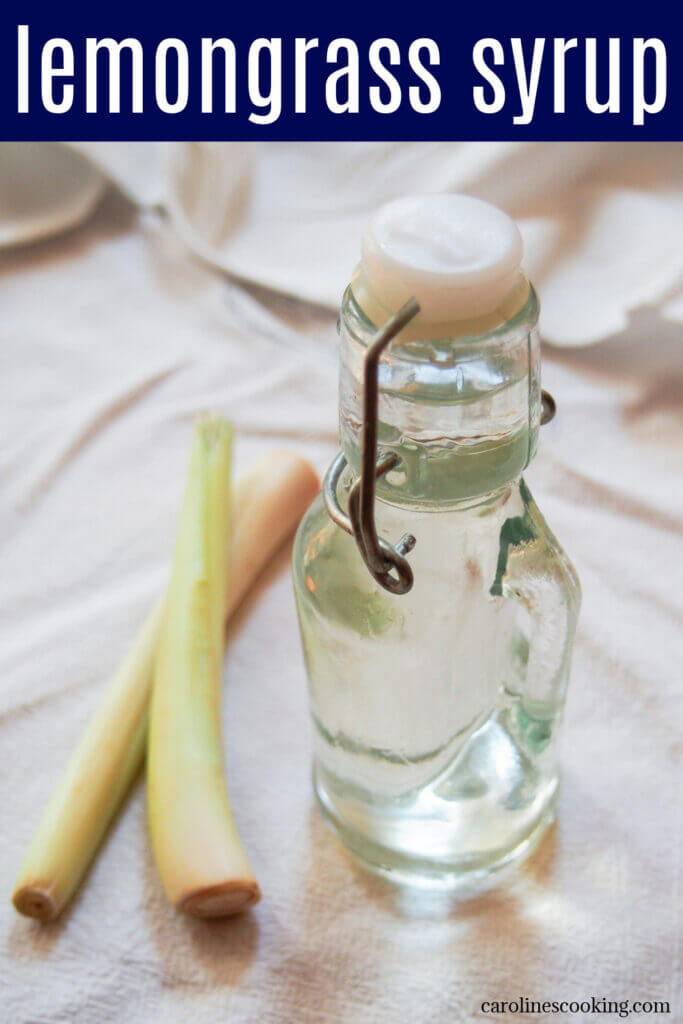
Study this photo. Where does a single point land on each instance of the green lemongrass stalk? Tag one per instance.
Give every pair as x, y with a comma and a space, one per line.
268, 503
96, 779
200, 858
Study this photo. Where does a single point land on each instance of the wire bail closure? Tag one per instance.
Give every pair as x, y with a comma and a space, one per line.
386, 563
548, 407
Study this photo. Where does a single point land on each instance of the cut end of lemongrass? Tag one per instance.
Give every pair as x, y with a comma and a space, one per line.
211, 430
221, 900
32, 901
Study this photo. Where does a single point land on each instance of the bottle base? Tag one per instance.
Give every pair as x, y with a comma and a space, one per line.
425, 850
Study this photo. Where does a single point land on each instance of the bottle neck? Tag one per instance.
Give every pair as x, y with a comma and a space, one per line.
459, 404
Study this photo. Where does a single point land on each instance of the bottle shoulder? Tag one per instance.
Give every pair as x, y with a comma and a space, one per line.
494, 543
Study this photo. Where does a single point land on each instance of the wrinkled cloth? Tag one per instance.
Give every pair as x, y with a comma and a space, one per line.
601, 222
112, 339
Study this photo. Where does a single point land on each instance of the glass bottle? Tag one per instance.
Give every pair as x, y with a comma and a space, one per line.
436, 711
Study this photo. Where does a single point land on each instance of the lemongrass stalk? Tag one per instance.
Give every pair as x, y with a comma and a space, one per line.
268, 503
200, 858
96, 779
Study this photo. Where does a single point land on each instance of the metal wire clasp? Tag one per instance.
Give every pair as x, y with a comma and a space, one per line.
548, 407
387, 564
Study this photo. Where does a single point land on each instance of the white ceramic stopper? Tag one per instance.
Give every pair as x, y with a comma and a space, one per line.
457, 255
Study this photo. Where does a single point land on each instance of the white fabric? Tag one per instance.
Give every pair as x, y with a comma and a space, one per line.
111, 340
602, 222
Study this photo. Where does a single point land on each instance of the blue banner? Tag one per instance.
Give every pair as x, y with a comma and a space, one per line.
576, 71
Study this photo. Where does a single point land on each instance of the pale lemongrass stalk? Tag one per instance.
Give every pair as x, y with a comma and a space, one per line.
268, 503
203, 867
96, 779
